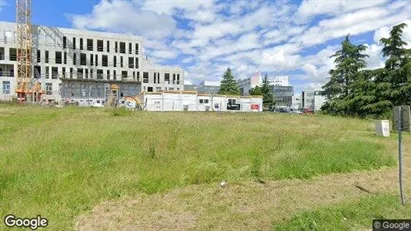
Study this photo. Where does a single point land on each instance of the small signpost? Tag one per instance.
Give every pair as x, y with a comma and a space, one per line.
401, 122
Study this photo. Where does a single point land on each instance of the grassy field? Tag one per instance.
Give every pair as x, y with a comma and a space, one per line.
61, 162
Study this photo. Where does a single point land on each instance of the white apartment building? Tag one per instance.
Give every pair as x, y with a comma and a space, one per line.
256, 80
313, 99
75, 64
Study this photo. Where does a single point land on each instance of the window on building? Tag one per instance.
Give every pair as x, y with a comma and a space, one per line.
145, 77
108, 74
71, 72
206, 101
65, 57
108, 46
81, 44
124, 74
167, 78
13, 54
46, 57
134, 75
130, 62
136, 63
80, 73
116, 47
37, 72
138, 76
155, 77
99, 74
49, 89
150, 89
47, 72
86, 73
231, 101
74, 43
96, 60
6, 87
91, 74
83, 59
178, 78
58, 57
121, 61
38, 56
74, 59
114, 75
2, 53
100, 45
91, 59
136, 49
201, 101
122, 47
174, 78
54, 72
115, 61
64, 42
130, 49
90, 44
64, 72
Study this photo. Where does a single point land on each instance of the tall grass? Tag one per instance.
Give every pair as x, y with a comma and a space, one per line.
59, 162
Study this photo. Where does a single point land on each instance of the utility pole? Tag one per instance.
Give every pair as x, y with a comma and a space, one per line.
400, 162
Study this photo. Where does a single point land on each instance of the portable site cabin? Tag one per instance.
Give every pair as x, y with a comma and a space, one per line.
191, 101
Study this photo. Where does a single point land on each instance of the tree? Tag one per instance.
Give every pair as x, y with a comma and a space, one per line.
349, 60
256, 91
397, 79
268, 97
228, 84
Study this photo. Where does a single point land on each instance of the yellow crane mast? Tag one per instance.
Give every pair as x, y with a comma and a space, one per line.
25, 86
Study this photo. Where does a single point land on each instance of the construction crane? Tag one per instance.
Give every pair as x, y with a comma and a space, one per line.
28, 88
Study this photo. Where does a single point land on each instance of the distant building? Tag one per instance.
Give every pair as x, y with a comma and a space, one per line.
208, 87
256, 80
283, 95
189, 86
313, 99
296, 101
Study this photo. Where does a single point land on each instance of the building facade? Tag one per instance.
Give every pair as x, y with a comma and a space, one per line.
256, 80
74, 64
283, 95
209, 87
313, 99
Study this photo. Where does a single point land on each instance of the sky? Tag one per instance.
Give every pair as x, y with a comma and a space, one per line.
204, 37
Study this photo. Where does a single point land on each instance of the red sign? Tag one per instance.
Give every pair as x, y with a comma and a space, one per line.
254, 106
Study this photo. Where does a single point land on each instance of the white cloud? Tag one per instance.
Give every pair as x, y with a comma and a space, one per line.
121, 15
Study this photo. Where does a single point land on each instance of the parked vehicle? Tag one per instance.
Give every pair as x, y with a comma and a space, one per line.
295, 111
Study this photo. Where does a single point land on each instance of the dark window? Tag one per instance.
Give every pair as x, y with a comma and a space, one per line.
38, 56
83, 59
167, 77
91, 73
46, 57
47, 72
74, 43
65, 57
99, 74
122, 47
90, 44
71, 73
96, 60
64, 72
145, 77
64, 42
80, 73
124, 74
138, 76
115, 61
134, 75
74, 59
121, 61
130, 49
81, 44
130, 62
114, 75
2, 53
136, 48
100, 45
150, 89
91, 60
108, 46
58, 57
108, 74
86, 74
174, 78
54, 72
104, 60
136, 63
37, 72
178, 78
116, 47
